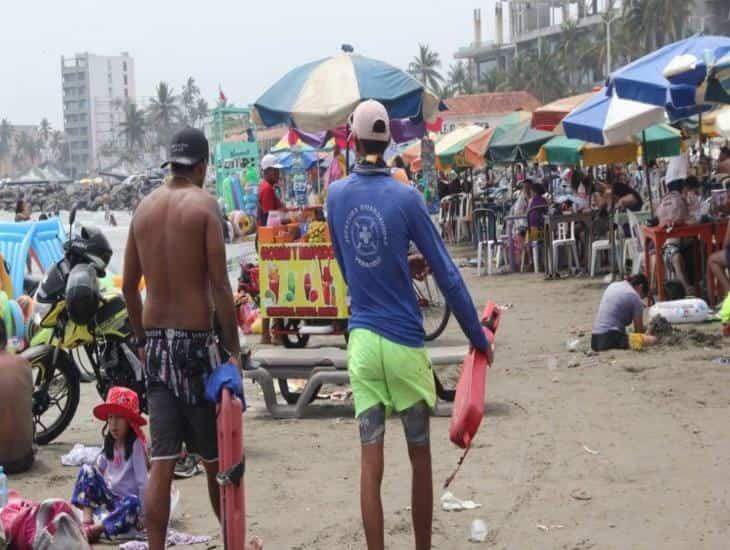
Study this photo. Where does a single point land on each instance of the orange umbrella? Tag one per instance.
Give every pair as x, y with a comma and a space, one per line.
475, 151
548, 116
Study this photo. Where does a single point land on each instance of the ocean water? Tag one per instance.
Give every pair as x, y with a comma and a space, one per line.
118, 238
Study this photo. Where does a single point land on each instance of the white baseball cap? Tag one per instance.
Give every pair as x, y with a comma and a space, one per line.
370, 121
270, 161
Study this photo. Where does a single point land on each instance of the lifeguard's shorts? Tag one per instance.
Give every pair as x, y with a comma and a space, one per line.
387, 373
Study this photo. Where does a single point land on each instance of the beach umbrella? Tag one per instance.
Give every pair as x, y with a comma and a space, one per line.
609, 120
549, 116
509, 121
450, 148
660, 140
322, 94
299, 146
521, 143
476, 150
646, 79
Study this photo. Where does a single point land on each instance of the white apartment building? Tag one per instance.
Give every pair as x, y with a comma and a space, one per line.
94, 89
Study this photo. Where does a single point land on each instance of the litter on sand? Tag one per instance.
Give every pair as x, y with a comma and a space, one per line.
548, 528
580, 494
79, 455
450, 503
590, 451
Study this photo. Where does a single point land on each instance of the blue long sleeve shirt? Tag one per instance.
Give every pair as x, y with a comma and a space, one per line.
372, 220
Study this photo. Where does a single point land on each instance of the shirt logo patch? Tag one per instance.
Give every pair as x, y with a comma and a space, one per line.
365, 231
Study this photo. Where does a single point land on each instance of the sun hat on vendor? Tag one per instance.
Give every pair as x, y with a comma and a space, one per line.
122, 402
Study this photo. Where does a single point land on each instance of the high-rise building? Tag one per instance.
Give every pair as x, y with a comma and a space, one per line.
95, 87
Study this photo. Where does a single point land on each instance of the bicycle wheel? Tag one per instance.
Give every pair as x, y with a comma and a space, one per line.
434, 309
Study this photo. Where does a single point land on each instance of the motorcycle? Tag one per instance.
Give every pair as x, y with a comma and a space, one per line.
73, 316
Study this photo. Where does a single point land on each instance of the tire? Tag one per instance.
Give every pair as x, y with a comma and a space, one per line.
434, 309
294, 341
62, 393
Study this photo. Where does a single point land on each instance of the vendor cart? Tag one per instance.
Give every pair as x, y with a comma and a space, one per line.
301, 288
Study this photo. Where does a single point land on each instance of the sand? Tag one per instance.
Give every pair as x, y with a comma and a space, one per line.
619, 450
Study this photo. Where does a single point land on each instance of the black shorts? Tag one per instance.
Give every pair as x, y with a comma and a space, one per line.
174, 422
727, 256
613, 339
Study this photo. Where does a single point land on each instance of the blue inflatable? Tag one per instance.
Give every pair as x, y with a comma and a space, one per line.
17, 239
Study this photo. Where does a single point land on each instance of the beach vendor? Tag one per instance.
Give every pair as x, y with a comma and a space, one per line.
111, 493
268, 199
620, 306
372, 220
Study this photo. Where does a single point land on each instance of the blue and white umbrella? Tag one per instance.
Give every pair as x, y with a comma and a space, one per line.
646, 80
610, 120
321, 95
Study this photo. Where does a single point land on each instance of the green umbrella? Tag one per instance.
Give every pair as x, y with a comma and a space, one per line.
507, 122
518, 144
563, 150
660, 140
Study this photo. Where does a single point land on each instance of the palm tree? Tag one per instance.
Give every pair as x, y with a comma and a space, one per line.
44, 130
59, 146
424, 68
494, 80
27, 149
133, 130
458, 76
188, 99
654, 23
545, 82
7, 132
574, 47
200, 112
674, 15
518, 75
163, 112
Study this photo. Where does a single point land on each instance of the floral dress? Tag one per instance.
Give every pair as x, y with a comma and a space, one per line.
114, 489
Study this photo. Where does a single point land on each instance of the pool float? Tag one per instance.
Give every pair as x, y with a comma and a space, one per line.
689, 310
235, 219
18, 319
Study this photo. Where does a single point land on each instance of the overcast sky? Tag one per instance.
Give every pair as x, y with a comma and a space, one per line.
244, 45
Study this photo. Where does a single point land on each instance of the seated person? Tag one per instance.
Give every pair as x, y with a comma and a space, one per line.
673, 210
719, 262
621, 305
723, 161
16, 417
537, 207
625, 197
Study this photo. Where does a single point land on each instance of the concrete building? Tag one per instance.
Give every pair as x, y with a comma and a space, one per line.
521, 25
94, 89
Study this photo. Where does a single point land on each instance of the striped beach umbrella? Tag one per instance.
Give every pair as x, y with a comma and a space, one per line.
321, 95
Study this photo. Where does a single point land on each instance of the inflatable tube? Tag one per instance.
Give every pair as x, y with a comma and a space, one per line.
26, 306
18, 320
236, 218
7, 315
690, 310
248, 225
237, 192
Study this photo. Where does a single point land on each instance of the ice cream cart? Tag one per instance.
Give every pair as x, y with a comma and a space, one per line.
301, 288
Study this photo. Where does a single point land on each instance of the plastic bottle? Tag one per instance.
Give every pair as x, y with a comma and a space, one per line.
478, 531
3, 488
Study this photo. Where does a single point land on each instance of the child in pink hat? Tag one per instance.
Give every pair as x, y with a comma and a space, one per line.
111, 492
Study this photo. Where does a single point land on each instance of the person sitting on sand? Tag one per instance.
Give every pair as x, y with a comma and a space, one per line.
113, 489
621, 305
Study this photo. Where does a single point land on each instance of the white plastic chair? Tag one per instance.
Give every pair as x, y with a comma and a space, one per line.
485, 228
565, 237
463, 215
604, 245
633, 247
444, 219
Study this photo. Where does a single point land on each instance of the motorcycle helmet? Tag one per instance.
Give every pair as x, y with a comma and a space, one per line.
93, 247
82, 294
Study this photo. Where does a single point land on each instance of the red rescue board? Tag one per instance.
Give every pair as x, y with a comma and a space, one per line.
468, 408
231, 466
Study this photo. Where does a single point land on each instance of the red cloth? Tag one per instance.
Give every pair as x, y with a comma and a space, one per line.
268, 201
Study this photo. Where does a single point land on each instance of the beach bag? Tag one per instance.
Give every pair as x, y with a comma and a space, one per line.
50, 525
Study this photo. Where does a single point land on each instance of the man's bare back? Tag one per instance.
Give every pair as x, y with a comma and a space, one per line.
169, 229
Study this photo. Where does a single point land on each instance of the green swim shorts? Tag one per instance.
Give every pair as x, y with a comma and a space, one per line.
382, 371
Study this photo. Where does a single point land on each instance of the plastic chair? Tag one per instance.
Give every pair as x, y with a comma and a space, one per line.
534, 244
462, 215
443, 217
565, 237
485, 230
604, 245
633, 247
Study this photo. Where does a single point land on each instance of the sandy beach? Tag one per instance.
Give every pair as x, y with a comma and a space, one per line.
620, 450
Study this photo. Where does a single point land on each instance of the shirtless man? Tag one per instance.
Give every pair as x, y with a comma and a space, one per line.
176, 242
